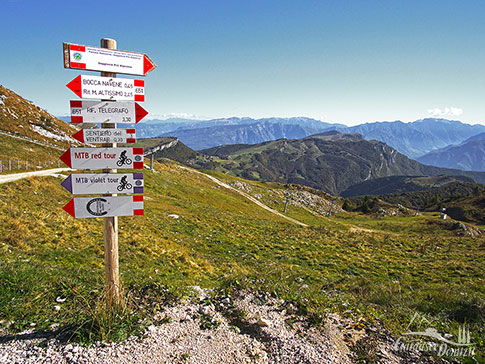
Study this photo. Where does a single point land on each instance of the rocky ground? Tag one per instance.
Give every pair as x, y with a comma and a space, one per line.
244, 328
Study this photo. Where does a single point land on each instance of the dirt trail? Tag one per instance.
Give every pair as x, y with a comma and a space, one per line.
16, 176
249, 197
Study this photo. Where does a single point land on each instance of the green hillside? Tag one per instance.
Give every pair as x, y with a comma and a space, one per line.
330, 161
195, 231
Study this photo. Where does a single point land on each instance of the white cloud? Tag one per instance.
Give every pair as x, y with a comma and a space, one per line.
447, 111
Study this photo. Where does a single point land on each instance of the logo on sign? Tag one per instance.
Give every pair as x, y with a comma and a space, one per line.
123, 159
138, 182
137, 158
77, 56
124, 184
97, 206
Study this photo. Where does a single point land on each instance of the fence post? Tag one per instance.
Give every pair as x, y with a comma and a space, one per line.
9, 165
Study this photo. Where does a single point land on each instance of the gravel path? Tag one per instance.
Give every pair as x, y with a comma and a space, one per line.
242, 329
46, 172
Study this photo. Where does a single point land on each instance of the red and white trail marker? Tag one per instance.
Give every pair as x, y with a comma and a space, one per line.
106, 60
108, 88
103, 158
117, 112
96, 135
105, 206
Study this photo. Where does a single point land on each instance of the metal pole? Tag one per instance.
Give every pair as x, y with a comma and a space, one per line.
111, 260
151, 162
9, 165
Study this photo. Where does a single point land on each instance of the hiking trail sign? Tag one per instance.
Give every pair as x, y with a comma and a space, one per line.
108, 88
97, 135
103, 158
118, 112
105, 206
106, 60
110, 109
99, 183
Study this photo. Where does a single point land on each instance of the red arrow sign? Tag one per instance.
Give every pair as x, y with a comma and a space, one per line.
84, 207
98, 112
102, 158
106, 60
101, 135
108, 88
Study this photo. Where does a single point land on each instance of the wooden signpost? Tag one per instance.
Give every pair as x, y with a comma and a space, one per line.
115, 104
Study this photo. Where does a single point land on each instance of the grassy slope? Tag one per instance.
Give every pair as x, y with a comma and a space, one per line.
23, 150
406, 265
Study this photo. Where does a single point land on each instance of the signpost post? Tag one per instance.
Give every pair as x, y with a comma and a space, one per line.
111, 259
115, 104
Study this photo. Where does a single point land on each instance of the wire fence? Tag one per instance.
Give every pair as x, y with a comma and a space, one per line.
17, 164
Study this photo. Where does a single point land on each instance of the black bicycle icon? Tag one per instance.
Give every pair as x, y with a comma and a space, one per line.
124, 185
123, 159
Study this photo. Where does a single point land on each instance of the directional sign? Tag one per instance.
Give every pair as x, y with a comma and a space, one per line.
99, 183
121, 112
103, 158
106, 60
95, 135
106, 206
108, 88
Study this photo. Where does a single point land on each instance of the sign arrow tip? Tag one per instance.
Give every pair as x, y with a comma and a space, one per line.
66, 157
148, 65
140, 112
69, 208
79, 136
76, 86
67, 183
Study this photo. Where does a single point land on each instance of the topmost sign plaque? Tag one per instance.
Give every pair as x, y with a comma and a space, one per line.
106, 60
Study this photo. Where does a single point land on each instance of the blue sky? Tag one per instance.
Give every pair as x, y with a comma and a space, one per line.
338, 61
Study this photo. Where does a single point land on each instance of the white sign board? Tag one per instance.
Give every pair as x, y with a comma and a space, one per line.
106, 60
105, 206
118, 112
99, 183
103, 158
97, 135
108, 88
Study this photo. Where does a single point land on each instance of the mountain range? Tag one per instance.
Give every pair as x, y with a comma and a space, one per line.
329, 161
413, 139
468, 155
419, 137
